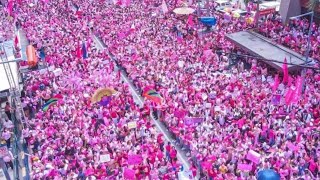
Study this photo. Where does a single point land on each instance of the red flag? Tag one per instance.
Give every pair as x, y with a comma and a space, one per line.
58, 96
79, 51
16, 41
285, 71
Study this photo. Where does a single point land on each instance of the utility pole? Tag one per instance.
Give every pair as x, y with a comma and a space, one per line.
257, 13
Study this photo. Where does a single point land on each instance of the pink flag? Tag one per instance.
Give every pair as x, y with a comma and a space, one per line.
164, 7
285, 71
10, 7
128, 173
276, 83
289, 96
297, 92
190, 21
79, 51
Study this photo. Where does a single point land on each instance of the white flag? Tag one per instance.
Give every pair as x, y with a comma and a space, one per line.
164, 7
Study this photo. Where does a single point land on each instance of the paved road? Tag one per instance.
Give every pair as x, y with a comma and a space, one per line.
139, 100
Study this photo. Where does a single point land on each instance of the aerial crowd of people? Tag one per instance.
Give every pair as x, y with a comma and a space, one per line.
231, 117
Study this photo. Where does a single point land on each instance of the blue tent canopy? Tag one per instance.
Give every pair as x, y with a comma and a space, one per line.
268, 174
209, 21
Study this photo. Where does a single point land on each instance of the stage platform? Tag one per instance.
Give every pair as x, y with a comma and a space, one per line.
263, 47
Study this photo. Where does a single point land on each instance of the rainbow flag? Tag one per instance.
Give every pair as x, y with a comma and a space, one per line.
51, 102
152, 95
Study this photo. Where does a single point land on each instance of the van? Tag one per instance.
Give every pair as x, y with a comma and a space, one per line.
221, 4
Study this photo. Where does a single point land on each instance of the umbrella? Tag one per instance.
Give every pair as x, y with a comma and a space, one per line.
268, 174
185, 10
236, 15
250, 20
100, 93
227, 9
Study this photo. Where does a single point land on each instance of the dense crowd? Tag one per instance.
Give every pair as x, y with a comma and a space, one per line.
235, 101
76, 138
189, 66
6, 26
295, 34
